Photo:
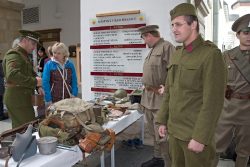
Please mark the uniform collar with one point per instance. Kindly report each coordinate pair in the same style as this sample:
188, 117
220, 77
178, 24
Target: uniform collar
159, 41
190, 47
20, 49
245, 52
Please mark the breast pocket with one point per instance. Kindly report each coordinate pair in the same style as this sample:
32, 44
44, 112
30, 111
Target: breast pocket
190, 76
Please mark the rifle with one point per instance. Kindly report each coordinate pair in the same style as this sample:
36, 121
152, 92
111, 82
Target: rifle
12, 132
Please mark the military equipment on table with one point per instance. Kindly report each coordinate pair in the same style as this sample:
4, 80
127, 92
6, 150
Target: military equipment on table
120, 93
135, 96
70, 120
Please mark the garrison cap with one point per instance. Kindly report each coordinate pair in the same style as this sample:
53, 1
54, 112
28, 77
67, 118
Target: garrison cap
149, 28
183, 9
30, 34
242, 24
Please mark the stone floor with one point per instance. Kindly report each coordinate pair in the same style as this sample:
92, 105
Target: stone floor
129, 133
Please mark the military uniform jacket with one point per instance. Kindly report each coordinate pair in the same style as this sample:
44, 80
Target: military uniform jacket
155, 72
236, 111
19, 74
194, 100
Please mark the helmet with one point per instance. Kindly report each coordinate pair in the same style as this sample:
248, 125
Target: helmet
120, 93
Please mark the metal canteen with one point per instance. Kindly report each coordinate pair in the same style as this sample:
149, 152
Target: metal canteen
47, 145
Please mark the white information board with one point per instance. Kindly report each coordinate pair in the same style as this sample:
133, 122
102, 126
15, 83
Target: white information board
117, 53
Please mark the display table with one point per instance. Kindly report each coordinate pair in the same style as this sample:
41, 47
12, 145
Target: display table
62, 158
119, 125
67, 158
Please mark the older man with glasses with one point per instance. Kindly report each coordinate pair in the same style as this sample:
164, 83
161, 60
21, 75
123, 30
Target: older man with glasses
21, 80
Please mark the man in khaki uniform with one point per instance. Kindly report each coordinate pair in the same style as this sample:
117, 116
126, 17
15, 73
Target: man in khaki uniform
235, 118
21, 79
154, 76
195, 93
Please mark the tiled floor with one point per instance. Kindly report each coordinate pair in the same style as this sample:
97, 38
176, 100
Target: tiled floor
6, 124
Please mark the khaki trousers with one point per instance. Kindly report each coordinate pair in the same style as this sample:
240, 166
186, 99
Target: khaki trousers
160, 144
225, 132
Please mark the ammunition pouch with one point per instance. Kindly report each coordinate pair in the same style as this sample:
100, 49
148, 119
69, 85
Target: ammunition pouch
98, 141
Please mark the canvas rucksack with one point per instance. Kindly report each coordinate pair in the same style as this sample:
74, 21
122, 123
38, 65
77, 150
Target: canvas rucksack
69, 120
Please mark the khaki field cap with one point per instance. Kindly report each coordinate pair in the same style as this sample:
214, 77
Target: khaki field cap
30, 34
182, 10
242, 24
149, 28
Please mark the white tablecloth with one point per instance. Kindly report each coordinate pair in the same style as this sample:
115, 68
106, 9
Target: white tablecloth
123, 122
62, 158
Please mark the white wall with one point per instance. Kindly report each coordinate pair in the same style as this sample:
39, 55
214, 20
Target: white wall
155, 11
64, 14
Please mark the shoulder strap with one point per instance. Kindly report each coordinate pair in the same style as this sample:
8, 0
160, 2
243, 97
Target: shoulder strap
70, 94
242, 66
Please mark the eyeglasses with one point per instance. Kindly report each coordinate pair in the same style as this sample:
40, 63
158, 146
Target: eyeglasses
178, 25
143, 36
33, 43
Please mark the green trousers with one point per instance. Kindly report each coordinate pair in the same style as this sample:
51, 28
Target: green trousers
182, 157
19, 105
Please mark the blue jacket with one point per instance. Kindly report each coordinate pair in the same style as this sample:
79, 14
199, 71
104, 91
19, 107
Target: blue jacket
48, 81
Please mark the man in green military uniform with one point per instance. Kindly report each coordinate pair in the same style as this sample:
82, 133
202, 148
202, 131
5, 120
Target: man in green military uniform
194, 97
234, 122
21, 79
154, 76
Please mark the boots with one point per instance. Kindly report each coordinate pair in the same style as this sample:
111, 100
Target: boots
154, 162
241, 161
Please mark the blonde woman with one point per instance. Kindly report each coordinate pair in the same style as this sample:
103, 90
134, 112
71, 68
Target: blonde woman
59, 76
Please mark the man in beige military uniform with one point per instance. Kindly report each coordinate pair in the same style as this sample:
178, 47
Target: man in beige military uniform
234, 122
21, 79
154, 76
194, 96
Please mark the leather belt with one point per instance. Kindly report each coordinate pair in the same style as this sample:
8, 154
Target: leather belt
240, 96
153, 89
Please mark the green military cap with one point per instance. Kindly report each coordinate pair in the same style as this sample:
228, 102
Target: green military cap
242, 24
183, 9
149, 28
30, 34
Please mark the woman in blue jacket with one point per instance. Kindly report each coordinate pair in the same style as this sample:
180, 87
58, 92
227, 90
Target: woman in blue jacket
59, 76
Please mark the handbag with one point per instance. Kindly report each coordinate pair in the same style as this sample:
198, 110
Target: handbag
38, 100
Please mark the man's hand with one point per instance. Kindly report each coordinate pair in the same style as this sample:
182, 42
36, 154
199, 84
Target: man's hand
162, 130
39, 81
161, 89
195, 146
